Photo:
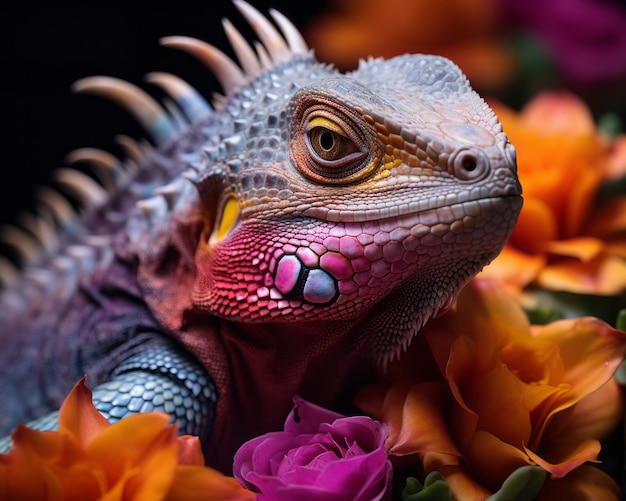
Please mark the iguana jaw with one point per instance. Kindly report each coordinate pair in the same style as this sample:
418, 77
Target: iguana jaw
303, 270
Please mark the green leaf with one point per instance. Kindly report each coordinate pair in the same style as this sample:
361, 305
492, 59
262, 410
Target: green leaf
522, 485
611, 124
433, 489
620, 323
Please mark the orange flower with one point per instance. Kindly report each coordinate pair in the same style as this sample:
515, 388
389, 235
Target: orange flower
138, 458
564, 238
466, 31
507, 395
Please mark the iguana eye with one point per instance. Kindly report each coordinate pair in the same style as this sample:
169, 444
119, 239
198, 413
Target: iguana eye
332, 146
328, 141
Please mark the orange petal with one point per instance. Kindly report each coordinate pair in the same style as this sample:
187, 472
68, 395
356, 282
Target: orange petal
558, 112
82, 480
194, 483
591, 351
412, 415
603, 276
497, 397
423, 428
609, 218
583, 484
45, 444
490, 460
593, 417
190, 451
23, 472
460, 483
488, 303
583, 248
580, 200
143, 444
617, 163
78, 416
514, 269
570, 457
535, 225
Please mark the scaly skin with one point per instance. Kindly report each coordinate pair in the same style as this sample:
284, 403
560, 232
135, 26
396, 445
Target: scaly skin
322, 220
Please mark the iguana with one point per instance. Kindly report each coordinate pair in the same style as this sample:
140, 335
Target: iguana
292, 238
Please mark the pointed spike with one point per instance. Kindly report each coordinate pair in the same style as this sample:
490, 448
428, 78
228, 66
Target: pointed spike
186, 97
143, 107
264, 58
40, 228
56, 203
230, 76
41, 278
84, 257
170, 192
218, 101
105, 165
296, 42
66, 267
271, 38
131, 148
245, 54
23, 242
94, 155
191, 176
154, 208
9, 274
81, 185
176, 115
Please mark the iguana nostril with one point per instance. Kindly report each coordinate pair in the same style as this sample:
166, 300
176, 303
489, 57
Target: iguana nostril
469, 165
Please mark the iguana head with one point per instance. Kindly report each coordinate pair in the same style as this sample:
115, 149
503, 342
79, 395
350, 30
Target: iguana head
363, 201
372, 195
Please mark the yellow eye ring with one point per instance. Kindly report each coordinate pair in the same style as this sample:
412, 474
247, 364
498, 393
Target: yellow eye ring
331, 143
328, 140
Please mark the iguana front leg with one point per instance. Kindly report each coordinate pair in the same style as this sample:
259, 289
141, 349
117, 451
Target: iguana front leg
163, 378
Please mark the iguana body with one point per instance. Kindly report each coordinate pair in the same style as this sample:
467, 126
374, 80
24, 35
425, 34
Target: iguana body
300, 235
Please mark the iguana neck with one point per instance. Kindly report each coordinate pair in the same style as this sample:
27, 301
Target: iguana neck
258, 368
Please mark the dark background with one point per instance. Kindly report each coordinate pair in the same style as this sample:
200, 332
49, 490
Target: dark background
46, 47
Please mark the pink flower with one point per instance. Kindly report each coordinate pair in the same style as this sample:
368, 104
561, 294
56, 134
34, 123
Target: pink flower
321, 455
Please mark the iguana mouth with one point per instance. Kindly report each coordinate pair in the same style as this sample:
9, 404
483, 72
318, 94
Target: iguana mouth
341, 213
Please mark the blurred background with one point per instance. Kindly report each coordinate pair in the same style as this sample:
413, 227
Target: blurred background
510, 49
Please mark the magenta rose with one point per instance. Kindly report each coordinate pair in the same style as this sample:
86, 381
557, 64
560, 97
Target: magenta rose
321, 455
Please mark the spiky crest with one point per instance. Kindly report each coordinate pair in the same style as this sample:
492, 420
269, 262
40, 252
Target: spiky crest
55, 217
